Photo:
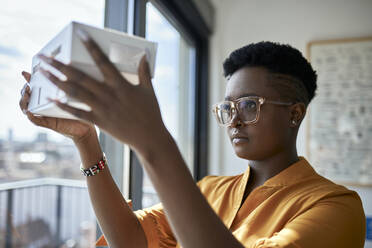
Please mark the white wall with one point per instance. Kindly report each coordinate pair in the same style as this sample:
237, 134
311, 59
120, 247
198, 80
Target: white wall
295, 22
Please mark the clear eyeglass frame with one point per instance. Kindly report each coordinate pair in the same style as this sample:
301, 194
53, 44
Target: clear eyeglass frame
234, 109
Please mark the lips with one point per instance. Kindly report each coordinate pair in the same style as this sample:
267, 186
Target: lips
238, 138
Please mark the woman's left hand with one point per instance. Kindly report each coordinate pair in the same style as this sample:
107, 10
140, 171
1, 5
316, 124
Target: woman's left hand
128, 112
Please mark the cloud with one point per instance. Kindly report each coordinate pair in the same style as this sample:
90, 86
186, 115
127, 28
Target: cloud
3, 66
10, 51
25, 27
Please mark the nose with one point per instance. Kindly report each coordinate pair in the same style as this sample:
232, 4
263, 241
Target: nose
236, 121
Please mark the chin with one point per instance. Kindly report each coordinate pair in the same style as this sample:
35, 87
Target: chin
246, 152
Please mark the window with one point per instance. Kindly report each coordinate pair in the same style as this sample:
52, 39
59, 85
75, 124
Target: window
43, 200
173, 81
180, 83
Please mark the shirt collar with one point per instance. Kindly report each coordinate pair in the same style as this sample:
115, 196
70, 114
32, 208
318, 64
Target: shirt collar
294, 173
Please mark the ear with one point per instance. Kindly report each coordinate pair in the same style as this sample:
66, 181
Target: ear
297, 114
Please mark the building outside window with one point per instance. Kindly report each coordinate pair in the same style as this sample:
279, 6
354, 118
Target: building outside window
43, 198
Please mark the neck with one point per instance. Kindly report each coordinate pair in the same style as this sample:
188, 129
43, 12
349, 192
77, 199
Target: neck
264, 169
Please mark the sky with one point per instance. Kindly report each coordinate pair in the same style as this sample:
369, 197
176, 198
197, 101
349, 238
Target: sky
26, 26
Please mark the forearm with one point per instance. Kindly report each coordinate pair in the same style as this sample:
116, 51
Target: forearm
118, 222
192, 219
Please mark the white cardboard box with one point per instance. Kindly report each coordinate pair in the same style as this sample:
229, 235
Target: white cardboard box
124, 51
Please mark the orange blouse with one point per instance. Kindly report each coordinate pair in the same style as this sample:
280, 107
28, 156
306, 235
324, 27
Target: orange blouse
295, 208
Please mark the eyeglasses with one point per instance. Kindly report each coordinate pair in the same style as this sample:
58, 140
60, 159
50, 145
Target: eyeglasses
248, 109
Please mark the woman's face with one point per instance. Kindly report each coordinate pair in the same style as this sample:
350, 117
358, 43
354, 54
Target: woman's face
272, 133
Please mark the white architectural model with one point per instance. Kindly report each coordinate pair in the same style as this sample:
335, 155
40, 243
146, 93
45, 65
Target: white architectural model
124, 50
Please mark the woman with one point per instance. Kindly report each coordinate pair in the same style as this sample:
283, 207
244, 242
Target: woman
279, 201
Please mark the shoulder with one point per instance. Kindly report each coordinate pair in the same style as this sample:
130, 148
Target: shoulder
318, 191
303, 181
320, 187
340, 195
335, 209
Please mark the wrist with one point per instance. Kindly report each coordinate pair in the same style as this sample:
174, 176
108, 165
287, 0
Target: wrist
89, 149
90, 135
159, 145
96, 168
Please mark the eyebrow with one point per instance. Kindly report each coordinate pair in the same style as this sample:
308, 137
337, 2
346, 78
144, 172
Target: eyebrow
229, 98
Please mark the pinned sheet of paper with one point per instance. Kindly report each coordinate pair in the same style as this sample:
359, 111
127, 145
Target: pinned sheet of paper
124, 51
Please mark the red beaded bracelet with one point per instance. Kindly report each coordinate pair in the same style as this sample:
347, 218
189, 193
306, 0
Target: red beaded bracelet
95, 169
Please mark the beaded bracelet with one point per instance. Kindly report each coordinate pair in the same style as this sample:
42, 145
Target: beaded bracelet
95, 169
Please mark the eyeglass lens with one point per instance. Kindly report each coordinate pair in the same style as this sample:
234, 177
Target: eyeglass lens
247, 109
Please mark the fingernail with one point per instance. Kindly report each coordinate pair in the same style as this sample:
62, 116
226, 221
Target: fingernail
24, 111
82, 34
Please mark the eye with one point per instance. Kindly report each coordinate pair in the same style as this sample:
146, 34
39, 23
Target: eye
225, 107
224, 113
248, 105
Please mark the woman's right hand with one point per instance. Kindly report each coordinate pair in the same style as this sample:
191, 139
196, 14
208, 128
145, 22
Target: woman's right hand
74, 129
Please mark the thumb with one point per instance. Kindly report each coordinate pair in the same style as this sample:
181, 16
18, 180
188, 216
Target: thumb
144, 74
26, 75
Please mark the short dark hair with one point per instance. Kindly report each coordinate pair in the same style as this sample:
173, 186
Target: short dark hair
297, 77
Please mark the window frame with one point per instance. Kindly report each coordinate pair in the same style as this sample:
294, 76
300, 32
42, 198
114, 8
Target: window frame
130, 16
116, 17
185, 16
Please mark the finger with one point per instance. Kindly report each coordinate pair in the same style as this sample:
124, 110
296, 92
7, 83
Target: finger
25, 88
108, 69
26, 75
144, 74
81, 114
23, 103
37, 120
72, 89
75, 75
69, 71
